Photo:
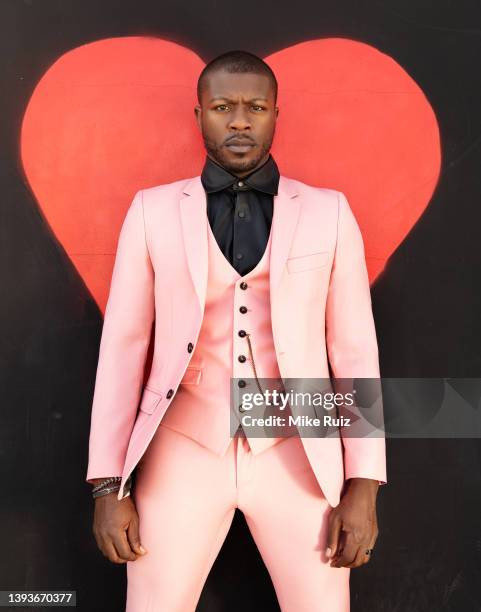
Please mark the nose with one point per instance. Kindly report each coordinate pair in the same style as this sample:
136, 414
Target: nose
239, 120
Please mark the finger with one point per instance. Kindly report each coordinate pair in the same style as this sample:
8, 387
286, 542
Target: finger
122, 546
134, 537
369, 547
361, 557
340, 548
333, 532
109, 551
349, 550
103, 544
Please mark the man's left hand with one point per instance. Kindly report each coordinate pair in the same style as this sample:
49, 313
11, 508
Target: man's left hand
353, 528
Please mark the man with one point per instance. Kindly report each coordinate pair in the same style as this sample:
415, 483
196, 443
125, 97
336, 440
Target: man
245, 273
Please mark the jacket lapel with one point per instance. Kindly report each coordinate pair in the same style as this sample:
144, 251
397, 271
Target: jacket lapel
193, 213
284, 222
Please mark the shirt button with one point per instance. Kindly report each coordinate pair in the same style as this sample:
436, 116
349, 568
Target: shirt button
241, 383
241, 214
242, 333
243, 285
239, 256
241, 358
240, 183
243, 309
170, 393
190, 347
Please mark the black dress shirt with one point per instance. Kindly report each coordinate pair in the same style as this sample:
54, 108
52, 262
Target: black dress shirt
240, 211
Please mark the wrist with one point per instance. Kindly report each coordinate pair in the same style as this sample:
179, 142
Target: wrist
364, 484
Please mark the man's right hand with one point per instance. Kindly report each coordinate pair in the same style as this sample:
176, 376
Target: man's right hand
116, 528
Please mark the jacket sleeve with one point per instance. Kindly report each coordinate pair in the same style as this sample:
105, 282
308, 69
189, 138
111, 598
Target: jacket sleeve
351, 339
126, 331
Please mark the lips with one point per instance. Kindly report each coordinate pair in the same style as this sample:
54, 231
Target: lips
240, 148
236, 141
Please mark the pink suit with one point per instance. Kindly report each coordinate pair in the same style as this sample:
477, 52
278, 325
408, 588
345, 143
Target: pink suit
201, 408
308, 299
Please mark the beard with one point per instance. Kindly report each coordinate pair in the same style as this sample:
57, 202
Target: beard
233, 165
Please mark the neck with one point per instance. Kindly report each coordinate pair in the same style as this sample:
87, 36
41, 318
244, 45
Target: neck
241, 174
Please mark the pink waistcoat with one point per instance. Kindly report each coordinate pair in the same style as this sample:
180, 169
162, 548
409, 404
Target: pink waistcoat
201, 408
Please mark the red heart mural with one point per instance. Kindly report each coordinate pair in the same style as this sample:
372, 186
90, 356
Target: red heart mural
114, 116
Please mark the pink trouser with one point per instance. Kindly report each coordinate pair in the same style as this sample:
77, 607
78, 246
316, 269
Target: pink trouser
186, 497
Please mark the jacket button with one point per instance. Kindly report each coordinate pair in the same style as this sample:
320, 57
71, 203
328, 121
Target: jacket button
243, 309
242, 333
170, 393
243, 285
190, 347
241, 358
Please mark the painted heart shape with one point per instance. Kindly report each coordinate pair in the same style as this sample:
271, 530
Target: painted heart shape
116, 115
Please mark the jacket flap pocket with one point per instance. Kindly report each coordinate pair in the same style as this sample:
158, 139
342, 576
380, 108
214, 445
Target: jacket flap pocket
150, 400
307, 262
192, 376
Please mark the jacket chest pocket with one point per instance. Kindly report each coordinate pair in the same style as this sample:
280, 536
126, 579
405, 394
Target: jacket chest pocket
311, 261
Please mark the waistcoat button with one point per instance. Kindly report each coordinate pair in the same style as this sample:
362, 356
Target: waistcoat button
170, 393
243, 309
242, 358
243, 285
241, 383
242, 333
190, 347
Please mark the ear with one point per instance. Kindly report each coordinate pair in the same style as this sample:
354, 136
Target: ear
198, 114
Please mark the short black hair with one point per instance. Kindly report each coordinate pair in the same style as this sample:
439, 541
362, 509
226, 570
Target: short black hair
237, 62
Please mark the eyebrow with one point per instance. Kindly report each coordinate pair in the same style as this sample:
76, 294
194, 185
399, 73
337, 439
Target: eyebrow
229, 100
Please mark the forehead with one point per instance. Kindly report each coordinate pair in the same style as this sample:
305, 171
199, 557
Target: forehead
222, 84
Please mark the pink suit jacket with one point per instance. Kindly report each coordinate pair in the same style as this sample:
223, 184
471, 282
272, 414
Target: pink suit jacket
320, 311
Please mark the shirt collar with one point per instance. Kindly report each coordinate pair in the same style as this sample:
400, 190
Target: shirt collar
215, 177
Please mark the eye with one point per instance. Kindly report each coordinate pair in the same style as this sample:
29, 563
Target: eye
258, 107
220, 105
